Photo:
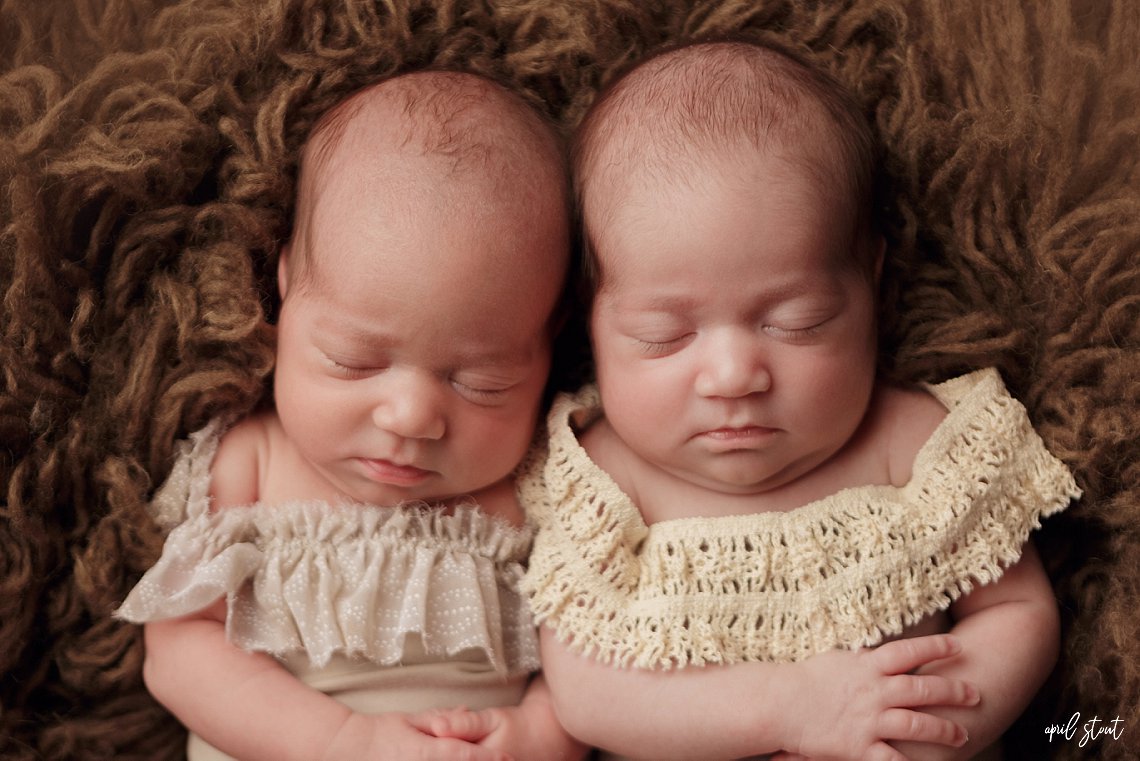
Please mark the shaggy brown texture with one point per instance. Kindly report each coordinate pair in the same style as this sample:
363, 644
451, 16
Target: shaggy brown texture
147, 154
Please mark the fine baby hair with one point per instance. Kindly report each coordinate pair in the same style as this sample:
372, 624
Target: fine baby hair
469, 129
669, 113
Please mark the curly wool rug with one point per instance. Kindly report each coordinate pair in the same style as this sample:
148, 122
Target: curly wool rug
147, 153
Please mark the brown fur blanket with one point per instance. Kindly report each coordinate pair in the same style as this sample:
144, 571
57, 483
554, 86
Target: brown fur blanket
147, 152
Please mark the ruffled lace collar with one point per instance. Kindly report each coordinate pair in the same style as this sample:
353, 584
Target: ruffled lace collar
844, 571
326, 579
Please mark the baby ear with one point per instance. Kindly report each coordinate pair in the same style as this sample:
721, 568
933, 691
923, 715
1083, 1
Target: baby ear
879, 248
283, 271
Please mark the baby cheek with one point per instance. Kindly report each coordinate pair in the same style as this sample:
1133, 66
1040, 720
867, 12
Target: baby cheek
639, 401
504, 435
839, 393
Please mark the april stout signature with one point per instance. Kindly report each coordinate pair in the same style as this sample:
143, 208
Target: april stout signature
1092, 729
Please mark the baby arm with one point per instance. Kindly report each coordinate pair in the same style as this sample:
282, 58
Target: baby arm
1010, 635
840, 704
250, 707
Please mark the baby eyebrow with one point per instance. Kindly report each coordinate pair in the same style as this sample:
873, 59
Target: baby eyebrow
663, 304
760, 299
502, 361
347, 331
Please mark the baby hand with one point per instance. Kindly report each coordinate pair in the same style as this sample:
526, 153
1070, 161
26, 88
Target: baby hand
523, 735
459, 723
401, 735
855, 701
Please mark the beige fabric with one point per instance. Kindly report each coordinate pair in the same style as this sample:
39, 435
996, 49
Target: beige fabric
419, 683
352, 580
845, 571
382, 608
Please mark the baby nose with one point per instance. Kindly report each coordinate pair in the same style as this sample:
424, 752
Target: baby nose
735, 365
411, 406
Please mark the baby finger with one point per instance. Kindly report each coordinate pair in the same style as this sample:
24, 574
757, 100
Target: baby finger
901, 656
457, 750
907, 691
901, 724
464, 725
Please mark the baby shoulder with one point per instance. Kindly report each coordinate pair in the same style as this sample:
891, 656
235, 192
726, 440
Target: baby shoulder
235, 474
909, 416
607, 450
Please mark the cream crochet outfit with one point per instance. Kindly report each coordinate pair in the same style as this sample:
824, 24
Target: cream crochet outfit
385, 608
844, 571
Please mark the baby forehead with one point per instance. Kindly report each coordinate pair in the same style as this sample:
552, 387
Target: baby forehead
650, 153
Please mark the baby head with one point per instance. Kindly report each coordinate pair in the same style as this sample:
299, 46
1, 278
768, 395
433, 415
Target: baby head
420, 286
708, 107
725, 190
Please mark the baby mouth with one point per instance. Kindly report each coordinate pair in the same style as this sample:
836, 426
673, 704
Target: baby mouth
738, 436
738, 432
393, 473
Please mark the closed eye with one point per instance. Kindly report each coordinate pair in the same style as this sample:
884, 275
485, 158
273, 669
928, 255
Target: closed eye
795, 334
350, 370
486, 395
662, 348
